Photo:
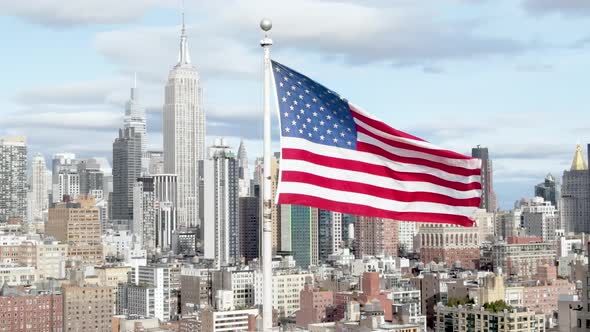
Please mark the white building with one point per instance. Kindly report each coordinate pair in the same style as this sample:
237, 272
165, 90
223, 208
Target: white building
39, 188
135, 118
407, 302
407, 232
540, 218
13, 178
184, 133
51, 259
231, 320
14, 275
485, 223
244, 171
117, 243
286, 288
221, 227
150, 296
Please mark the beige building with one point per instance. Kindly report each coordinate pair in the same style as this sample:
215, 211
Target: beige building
78, 225
476, 318
87, 308
51, 257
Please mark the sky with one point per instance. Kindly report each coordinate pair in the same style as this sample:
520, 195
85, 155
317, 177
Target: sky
511, 75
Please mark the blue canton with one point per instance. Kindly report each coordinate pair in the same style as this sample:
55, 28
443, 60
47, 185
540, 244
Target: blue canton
311, 111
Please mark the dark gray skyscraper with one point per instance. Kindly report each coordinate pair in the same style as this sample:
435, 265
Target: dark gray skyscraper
549, 190
126, 171
250, 225
488, 197
13, 178
575, 196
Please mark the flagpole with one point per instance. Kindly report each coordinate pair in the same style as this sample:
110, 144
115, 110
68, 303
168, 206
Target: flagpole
266, 43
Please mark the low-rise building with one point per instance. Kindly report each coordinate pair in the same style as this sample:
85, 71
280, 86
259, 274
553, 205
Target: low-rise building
40, 311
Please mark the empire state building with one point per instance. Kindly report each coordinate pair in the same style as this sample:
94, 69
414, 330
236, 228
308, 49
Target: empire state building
184, 133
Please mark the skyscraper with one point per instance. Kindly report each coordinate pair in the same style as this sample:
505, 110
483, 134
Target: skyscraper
243, 170
39, 187
221, 228
126, 171
13, 178
184, 133
488, 197
330, 225
376, 236
575, 195
64, 177
302, 236
91, 177
135, 118
549, 189
250, 225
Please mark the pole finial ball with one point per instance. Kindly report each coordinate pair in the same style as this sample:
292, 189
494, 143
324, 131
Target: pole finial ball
266, 24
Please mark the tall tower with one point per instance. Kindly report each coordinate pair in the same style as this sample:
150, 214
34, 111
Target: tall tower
126, 170
575, 195
184, 133
488, 197
221, 228
13, 178
245, 175
135, 117
39, 187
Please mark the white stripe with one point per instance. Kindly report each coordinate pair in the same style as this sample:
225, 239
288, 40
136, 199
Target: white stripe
464, 163
373, 201
376, 180
336, 152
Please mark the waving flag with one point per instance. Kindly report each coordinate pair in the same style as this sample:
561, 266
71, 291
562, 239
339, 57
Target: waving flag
337, 157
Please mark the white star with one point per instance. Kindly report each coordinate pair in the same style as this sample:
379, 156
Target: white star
300, 97
293, 87
306, 91
302, 111
315, 128
286, 114
348, 129
281, 84
284, 100
287, 129
341, 121
308, 120
294, 122
277, 69
342, 134
314, 100
298, 117
286, 79
291, 107
329, 117
295, 102
329, 131
299, 82
301, 131
304, 126
291, 74
315, 114
349, 143
321, 123
322, 137
335, 125
335, 140
321, 108
309, 134
288, 93
307, 105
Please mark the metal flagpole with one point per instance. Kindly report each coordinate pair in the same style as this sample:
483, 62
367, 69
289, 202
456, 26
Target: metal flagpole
266, 43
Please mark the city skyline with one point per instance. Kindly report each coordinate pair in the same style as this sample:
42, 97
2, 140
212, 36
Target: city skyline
430, 82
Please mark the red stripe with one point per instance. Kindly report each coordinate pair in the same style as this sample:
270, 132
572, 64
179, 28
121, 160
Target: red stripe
381, 125
370, 148
359, 166
363, 210
372, 190
439, 153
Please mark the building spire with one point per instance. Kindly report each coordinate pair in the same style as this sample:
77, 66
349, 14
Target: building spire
578, 164
184, 57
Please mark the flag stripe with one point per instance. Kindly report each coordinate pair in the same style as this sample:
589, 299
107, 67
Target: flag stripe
366, 147
364, 159
377, 191
363, 210
294, 159
370, 200
425, 153
381, 125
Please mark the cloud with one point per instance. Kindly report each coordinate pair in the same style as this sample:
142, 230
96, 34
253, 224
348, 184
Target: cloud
75, 93
534, 68
570, 8
57, 13
63, 120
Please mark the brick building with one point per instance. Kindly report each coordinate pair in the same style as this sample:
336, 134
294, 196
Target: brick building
87, 308
450, 244
316, 306
22, 311
376, 236
520, 256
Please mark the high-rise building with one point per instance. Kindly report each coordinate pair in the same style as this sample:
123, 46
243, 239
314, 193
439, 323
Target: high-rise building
244, 171
65, 180
488, 197
155, 162
91, 177
540, 218
36, 310
144, 214
39, 187
376, 236
221, 227
184, 133
87, 308
330, 233
126, 171
575, 195
78, 225
550, 190
250, 225
300, 233
13, 178
407, 232
148, 295
135, 117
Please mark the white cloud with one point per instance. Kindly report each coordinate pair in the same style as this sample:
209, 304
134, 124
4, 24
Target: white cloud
564, 7
79, 12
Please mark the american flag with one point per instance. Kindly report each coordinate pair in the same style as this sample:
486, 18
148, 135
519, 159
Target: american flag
337, 157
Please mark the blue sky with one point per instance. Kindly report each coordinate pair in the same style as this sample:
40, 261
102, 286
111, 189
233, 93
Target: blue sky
509, 74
